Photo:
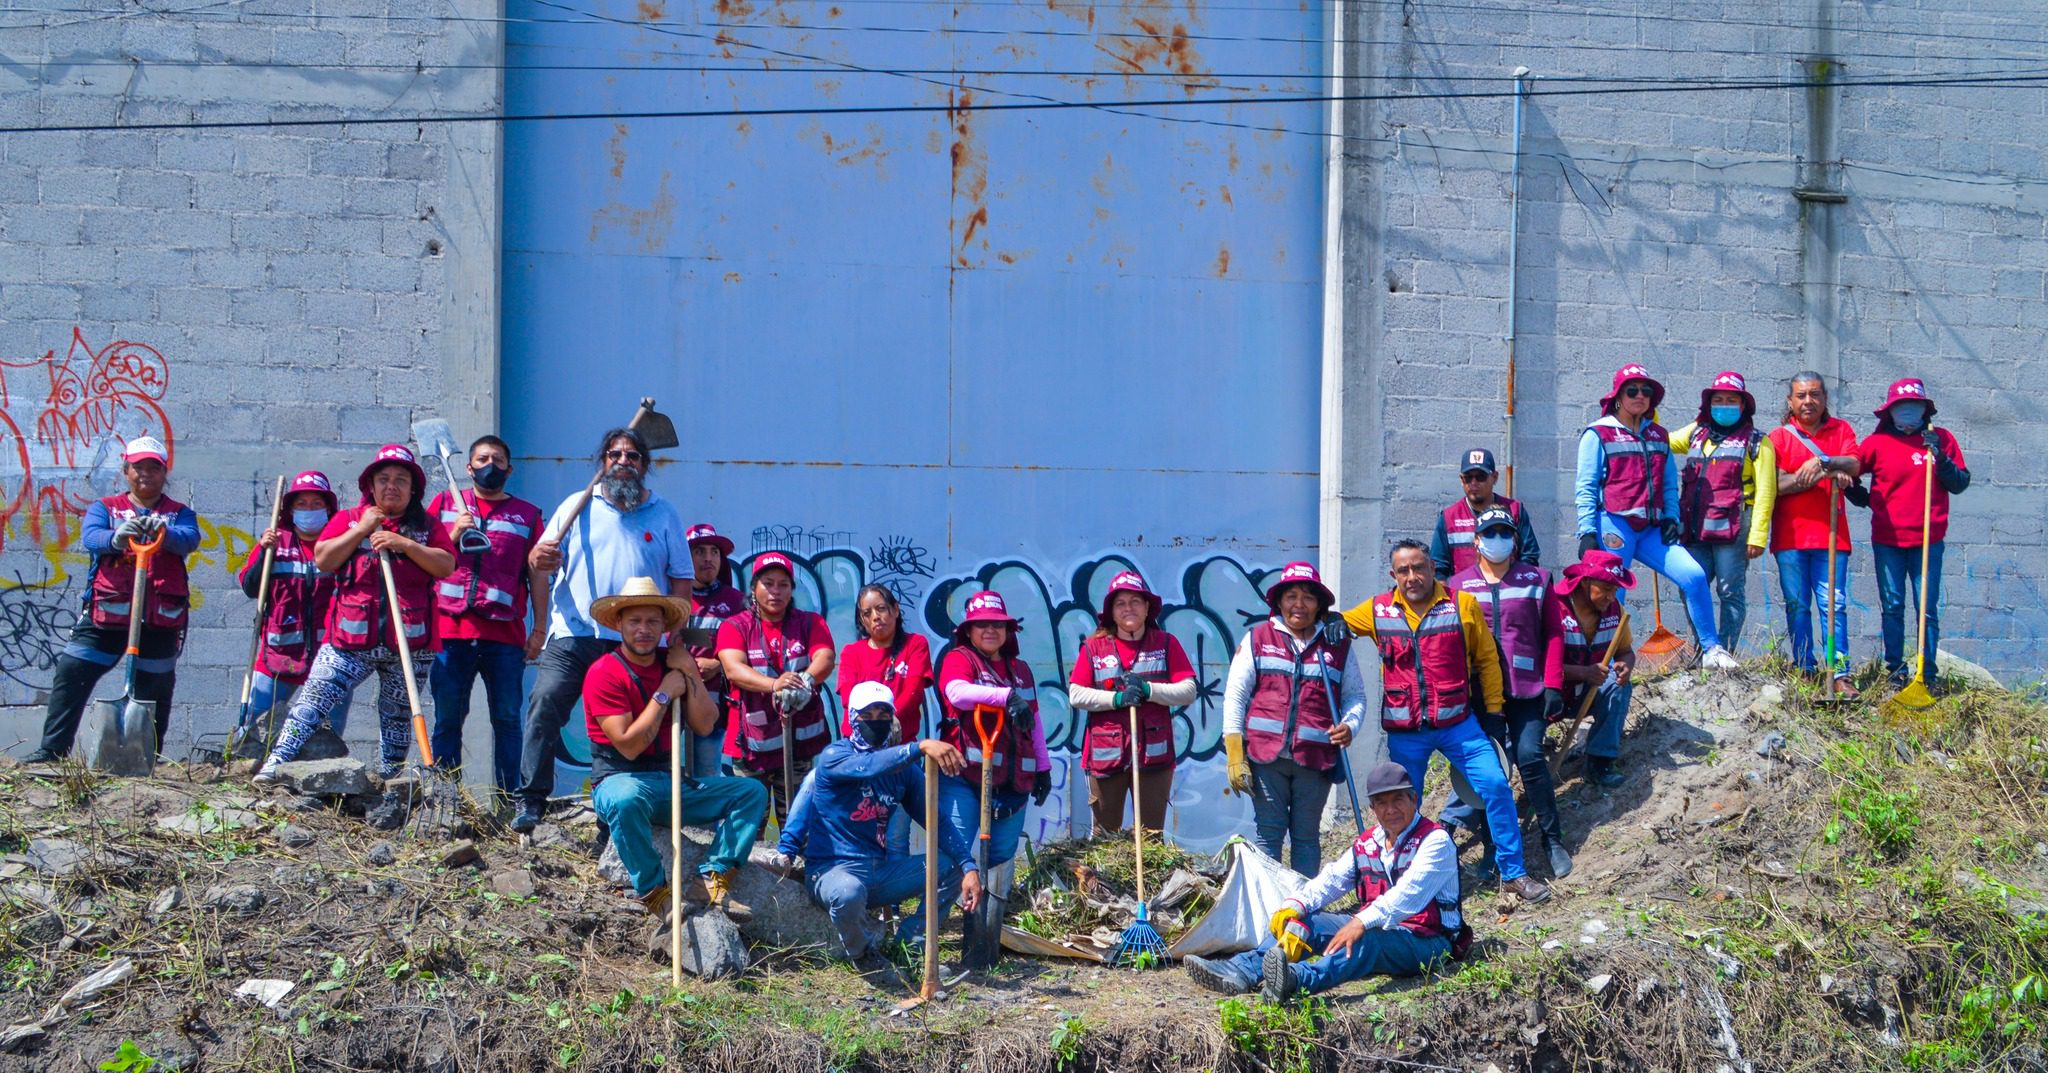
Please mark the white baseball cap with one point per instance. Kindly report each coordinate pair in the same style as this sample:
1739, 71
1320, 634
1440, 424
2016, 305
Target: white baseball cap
142, 447
868, 694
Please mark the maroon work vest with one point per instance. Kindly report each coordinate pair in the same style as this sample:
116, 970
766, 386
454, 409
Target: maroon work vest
1295, 698
1105, 745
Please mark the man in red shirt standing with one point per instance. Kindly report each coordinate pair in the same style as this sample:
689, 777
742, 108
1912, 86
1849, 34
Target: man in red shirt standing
1816, 461
480, 610
628, 695
1897, 458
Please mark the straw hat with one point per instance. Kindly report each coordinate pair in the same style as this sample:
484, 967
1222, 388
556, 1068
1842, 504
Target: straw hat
639, 592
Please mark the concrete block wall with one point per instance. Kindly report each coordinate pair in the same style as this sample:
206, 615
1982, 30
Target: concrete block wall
268, 298
1662, 227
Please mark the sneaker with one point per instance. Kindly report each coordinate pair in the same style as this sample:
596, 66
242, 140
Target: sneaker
1560, 860
781, 865
264, 779
1718, 658
1531, 890
41, 756
1278, 982
527, 818
1217, 975
1600, 772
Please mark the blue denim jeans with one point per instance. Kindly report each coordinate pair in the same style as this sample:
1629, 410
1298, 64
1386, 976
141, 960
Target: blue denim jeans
1469, 750
629, 802
1610, 716
960, 807
1803, 580
1520, 731
1727, 570
847, 888
1898, 574
1287, 805
454, 674
1380, 951
267, 694
1647, 547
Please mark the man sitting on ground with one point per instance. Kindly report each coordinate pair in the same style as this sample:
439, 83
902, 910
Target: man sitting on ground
627, 698
1411, 914
857, 783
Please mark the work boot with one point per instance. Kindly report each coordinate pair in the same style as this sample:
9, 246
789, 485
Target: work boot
41, 756
877, 969
1844, 690
527, 818
1600, 772
714, 889
1278, 983
1217, 975
1531, 890
1718, 658
656, 901
1560, 859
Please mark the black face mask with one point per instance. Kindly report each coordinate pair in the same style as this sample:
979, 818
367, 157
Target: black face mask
876, 733
490, 478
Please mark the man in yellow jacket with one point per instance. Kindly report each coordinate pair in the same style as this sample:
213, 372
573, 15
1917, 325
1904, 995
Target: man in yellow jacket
1434, 644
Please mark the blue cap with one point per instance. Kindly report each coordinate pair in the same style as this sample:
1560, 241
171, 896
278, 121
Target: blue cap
1476, 458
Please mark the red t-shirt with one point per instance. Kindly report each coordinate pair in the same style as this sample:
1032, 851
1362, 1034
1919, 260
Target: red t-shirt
609, 689
1897, 468
1178, 669
1800, 522
510, 631
907, 674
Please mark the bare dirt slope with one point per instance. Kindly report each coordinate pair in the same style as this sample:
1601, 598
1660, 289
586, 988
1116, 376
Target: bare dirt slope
1860, 897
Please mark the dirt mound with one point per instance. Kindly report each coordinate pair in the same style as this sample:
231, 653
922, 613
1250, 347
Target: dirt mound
1777, 886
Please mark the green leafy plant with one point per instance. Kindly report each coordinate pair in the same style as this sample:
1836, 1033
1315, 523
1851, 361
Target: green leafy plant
1870, 798
1066, 1041
1283, 1039
129, 1058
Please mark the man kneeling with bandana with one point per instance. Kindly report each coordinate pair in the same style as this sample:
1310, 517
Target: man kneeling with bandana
859, 780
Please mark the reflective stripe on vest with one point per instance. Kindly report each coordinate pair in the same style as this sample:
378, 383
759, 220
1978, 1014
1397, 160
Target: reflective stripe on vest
485, 592
360, 627
1634, 487
279, 640
1376, 876
1434, 655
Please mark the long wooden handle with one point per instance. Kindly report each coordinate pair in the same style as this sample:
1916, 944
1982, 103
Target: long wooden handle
1137, 805
1594, 690
1926, 531
582, 500
262, 599
1832, 510
931, 879
675, 843
412, 690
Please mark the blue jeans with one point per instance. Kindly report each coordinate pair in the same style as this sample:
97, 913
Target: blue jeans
960, 808
630, 801
1898, 571
1727, 570
846, 888
1610, 716
1380, 951
454, 672
707, 751
1520, 731
1469, 750
1803, 580
267, 694
1647, 547
1287, 805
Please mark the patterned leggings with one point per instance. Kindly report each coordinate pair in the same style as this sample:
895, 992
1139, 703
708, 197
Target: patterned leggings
335, 674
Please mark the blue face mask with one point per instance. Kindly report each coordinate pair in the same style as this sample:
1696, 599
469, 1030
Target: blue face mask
1496, 548
1725, 416
310, 521
1909, 416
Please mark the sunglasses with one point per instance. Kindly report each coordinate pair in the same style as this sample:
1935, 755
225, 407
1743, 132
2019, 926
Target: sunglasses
1475, 476
1634, 392
624, 456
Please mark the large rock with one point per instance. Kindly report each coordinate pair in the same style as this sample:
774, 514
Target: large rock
323, 744
324, 778
712, 946
57, 857
784, 914
1975, 676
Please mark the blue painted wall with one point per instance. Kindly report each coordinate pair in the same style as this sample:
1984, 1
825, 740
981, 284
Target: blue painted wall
946, 348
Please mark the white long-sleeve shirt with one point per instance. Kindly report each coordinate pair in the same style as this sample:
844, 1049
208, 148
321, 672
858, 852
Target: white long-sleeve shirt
1237, 688
1431, 875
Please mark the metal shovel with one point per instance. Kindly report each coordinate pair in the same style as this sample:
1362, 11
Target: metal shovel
126, 743
437, 439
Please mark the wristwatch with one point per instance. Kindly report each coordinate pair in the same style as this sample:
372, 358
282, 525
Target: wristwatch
661, 698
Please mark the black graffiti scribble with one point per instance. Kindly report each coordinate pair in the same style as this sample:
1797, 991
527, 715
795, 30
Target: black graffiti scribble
33, 624
896, 563
799, 540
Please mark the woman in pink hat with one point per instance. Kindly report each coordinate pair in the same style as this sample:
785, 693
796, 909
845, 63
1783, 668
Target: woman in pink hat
1720, 500
141, 514
362, 626
295, 620
1627, 499
1129, 662
713, 599
1896, 457
776, 657
1584, 612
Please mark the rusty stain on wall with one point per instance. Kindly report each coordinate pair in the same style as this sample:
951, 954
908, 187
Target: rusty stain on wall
1155, 43
650, 225
653, 10
970, 176
1222, 261
733, 9
615, 148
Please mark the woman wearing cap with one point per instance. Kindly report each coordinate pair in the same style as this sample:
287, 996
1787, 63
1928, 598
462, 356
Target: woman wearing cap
1627, 498
1293, 700
299, 595
713, 599
1585, 615
1903, 507
775, 656
362, 627
1129, 662
141, 514
1816, 461
1719, 498
629, 697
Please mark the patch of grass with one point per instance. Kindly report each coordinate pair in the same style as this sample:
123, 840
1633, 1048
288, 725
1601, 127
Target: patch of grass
1284, 1039
1872, 799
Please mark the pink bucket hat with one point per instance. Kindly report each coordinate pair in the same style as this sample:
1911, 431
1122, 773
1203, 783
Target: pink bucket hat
1597, 565
1909, 389
1299, 573
1128, 581
1632, 371
1728, 381
702, 533
316, 482
398, 454
987, 606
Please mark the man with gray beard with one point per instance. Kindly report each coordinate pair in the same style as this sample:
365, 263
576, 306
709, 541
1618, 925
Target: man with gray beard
625, 532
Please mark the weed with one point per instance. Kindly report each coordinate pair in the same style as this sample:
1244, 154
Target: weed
1888, 817
128, 1058
1066, 1042
1283, 1038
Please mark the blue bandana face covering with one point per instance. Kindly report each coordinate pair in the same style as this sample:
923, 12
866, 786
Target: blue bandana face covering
1909, 416
1725, 416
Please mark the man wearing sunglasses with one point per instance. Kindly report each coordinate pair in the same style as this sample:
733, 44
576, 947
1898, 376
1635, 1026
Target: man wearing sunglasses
625, 532
1451, 547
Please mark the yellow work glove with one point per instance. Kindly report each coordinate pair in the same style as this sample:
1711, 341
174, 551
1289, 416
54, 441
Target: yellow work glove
1240, 768
1291, 932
